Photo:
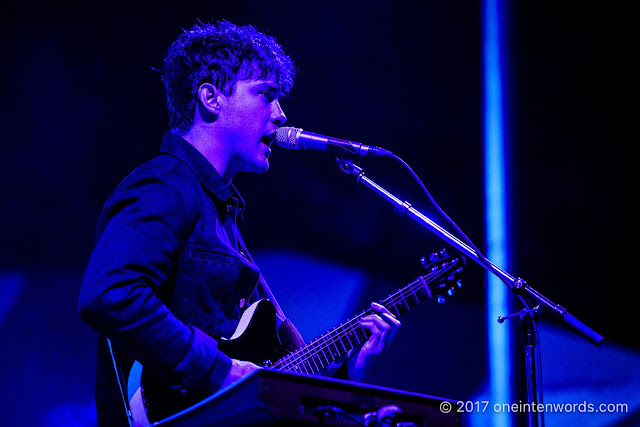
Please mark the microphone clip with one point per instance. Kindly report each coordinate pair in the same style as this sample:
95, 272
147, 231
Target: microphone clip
347, 166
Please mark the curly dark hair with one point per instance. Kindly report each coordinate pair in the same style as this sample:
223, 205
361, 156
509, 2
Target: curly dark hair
221, 54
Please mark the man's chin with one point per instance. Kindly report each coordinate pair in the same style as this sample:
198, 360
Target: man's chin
261, 167
264, 166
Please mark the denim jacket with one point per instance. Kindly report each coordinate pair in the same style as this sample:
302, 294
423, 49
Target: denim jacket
168, 273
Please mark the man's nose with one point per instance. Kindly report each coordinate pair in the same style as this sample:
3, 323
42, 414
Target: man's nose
277, 116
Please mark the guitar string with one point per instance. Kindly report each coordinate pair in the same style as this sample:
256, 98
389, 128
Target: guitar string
324, 342
349, 329
319, 345
293, 359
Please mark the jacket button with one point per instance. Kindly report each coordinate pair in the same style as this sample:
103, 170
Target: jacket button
242, 302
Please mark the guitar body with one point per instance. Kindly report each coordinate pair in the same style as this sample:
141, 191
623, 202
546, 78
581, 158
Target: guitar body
255, 339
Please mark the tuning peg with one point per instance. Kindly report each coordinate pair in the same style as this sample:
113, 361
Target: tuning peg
451, 291
459, 283
440, 299
434, 256
424, 262
443, 253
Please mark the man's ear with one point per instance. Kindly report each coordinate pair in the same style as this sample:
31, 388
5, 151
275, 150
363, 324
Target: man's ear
210, 99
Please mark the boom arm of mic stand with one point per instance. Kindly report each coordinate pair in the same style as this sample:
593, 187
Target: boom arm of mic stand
516, 284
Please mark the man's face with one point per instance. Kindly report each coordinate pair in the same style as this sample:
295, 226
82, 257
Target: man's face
250, 117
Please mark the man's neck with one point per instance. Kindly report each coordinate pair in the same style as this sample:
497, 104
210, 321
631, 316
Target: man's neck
208, 145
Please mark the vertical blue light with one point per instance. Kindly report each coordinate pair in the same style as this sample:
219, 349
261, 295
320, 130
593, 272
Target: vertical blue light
499, 345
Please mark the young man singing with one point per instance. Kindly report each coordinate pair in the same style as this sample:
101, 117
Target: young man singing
170, 274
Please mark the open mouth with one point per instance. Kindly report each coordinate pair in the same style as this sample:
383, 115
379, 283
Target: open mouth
269, 139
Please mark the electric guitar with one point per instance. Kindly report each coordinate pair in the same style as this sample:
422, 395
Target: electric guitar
256, 340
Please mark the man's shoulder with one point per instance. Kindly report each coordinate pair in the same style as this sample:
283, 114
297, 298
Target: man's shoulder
165, 178
163, 183
164, 167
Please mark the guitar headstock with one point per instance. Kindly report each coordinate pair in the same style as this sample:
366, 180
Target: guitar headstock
443, 273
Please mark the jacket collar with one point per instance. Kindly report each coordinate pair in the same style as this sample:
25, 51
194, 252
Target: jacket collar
179, 147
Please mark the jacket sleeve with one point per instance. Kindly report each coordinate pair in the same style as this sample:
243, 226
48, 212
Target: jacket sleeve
132, 265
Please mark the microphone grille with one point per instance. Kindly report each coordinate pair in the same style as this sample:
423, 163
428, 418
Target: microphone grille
287, 137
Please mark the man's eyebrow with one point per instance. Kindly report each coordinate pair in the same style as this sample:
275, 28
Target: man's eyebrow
266, 85
270, 87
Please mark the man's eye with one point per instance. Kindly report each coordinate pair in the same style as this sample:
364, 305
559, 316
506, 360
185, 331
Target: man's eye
269, 95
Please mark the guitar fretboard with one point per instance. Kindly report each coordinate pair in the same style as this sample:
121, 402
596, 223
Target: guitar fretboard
321, 352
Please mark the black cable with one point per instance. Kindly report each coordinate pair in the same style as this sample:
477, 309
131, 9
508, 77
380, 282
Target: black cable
488, 265
457, 229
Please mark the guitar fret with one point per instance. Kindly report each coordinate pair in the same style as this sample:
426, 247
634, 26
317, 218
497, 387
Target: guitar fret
412, 302
309, 361
326, 350
353, 334
337, 352
341, 342
414, 295
391, 305
398, 300
405, 302
313, 359
426, 286
320, 358
347, 335
348, 345
395, 307
325, 356
305, 361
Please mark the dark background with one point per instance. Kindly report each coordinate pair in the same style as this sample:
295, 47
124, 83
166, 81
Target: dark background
82, 106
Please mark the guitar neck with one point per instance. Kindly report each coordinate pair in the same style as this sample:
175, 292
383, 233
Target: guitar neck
321, 352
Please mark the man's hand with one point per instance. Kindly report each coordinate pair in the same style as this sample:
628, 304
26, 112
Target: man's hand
239, 369
383, 327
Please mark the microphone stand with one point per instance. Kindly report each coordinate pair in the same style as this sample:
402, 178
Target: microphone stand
516, 284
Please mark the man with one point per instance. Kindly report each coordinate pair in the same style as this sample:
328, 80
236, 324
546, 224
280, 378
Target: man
170, 272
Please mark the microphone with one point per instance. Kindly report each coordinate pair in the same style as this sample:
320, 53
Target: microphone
298, 139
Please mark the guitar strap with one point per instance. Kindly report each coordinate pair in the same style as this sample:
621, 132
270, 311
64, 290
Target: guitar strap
289, 335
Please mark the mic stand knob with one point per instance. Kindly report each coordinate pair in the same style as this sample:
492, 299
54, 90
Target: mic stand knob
532, 312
